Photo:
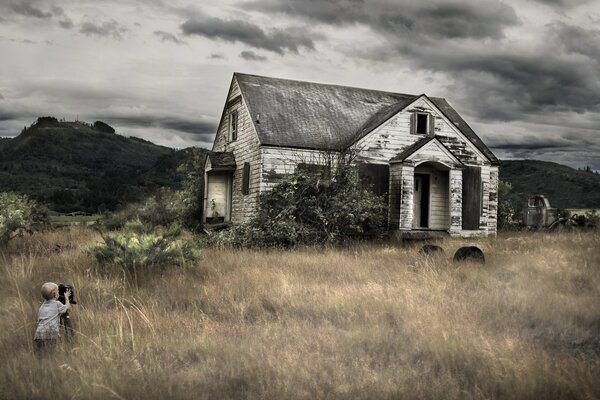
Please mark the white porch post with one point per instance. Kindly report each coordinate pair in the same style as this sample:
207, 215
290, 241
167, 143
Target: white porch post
455, 200
406, 196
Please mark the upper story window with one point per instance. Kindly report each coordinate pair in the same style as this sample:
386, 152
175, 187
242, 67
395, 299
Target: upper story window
233, 125
422, 124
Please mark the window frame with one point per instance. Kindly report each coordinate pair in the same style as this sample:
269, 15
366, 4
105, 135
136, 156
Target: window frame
427, 116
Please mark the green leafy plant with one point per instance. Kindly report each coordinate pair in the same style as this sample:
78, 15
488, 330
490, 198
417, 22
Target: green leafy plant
140, 246
19, 215
307, 208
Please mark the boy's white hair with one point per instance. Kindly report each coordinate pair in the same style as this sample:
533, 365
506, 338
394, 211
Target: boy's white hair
48, 289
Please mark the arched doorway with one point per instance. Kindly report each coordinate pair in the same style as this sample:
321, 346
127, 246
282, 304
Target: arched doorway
431, 196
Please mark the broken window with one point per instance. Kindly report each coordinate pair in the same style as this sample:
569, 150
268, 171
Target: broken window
422, 123
233, 125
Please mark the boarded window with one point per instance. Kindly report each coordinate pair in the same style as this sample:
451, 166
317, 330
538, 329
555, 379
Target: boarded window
375, 176
246, 179
471, 198
233, 125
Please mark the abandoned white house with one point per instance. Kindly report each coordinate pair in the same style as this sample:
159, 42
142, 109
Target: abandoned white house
437, 173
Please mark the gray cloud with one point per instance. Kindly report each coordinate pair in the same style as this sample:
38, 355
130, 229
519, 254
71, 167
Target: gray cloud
26, 8
103, 29
252, 56
197, 127
168, 37
564, 4
435, 19
575, 39
278, 40
66, 23
216, 56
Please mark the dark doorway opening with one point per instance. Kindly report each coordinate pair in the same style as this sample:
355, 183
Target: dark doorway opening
422, 200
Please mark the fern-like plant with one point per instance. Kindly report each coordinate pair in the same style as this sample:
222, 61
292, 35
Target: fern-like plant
139, 246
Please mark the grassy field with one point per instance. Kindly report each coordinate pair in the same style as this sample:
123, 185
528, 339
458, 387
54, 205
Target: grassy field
369, 321
65, 220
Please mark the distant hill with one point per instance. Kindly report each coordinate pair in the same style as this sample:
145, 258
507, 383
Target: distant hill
565, 187
78, 166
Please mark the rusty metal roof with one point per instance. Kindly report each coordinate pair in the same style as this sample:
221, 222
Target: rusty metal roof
298, 114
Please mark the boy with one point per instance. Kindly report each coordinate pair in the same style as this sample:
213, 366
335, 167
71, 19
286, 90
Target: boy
48, 329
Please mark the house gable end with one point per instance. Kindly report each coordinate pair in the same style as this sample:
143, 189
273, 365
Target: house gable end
235, 101
396, 134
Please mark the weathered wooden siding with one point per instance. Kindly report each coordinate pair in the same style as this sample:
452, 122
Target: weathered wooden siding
431, 152
406, 196
492, 220
394, 136
394, 196
245, 149
455, 200
277, 162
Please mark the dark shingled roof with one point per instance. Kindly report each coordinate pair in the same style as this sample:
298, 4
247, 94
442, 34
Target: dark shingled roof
221, 160
289, 113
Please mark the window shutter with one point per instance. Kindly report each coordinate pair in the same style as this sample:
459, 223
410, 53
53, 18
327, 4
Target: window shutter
246, 179
431, 130
413, 123
471, 198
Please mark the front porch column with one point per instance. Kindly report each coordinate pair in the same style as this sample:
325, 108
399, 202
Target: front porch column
406, 196
455, 200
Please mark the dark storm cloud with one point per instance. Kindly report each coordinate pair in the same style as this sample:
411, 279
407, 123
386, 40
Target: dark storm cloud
103, 29
200, 128
168, 37
27, 9
252, 56
504, 83
564, 4
575, 39
436, 19
277, 40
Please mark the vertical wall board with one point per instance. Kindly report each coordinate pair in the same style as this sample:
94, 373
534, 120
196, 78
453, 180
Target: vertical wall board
395, 189
406, 197
493, 201
456, 200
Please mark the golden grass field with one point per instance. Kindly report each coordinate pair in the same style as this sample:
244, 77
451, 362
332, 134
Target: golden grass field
368, 321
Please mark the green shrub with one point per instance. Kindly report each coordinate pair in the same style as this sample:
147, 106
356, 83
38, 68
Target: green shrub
19, 215
307, 208
161, 209
139, 246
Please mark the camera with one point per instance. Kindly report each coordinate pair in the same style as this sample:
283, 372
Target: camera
65, 319
62, 288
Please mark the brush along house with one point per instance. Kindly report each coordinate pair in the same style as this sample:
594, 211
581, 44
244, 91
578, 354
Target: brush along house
436, 173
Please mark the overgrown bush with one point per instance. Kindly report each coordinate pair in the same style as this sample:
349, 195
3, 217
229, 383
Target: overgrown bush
307, 208
19, 215
508, 217
139, 246
161, 209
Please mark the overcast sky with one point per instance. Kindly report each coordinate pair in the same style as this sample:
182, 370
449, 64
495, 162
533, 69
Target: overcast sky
524, 74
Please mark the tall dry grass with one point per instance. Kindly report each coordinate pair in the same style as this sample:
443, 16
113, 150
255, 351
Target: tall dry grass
370, 321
